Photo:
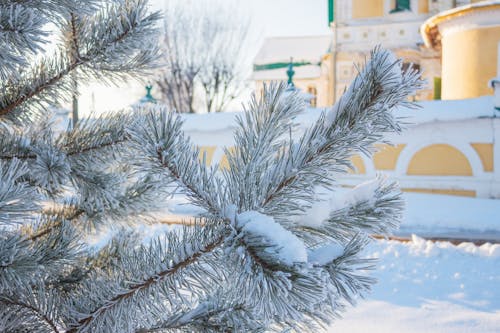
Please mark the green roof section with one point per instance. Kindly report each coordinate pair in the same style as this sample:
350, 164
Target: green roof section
278, 65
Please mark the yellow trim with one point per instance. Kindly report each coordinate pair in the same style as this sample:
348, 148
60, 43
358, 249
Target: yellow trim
462, 193
358, 164
439, 160
485, 152
224, 163
387, 156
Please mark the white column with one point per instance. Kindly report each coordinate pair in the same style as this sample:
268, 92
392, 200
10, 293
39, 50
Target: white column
495, 83
495, 185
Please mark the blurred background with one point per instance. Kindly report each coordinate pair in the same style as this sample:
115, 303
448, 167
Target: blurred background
441, 271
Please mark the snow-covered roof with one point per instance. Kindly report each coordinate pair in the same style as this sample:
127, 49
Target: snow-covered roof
301, 72
303, 48
429, 111
449, 110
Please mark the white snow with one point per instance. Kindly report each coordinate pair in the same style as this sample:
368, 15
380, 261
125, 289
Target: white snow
429, 111
448, 110
319, 212
287, 248
339, 199
363, 192
451, 216
429, 287
425, 214
325, 254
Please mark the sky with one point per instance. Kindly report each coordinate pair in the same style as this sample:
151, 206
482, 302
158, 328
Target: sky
269, 18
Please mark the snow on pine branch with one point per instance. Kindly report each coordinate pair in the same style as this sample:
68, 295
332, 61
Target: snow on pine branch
326, 253
372, 207
272, 243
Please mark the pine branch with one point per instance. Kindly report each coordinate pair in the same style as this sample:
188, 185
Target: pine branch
177, 269
105, 42
165, 147
20, 34
55, 219
372, 208
356, 122
33, 309
213, 315
18, 201
106, 132
348, 272
24, 261
259, 137
23, 32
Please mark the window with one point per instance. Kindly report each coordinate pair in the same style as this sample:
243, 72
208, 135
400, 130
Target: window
400, 6
314, 92
408, 65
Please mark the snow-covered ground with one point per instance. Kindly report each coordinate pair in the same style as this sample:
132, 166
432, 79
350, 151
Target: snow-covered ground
429, 287
451, 217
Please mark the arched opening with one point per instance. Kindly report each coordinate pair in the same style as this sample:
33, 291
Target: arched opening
439, 160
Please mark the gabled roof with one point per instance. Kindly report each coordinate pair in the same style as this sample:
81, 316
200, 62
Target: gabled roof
303, 48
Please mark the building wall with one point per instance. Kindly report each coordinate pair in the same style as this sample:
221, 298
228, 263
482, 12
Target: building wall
460, 157
456, 158
361, 25
365, 9
321, 84
467, 70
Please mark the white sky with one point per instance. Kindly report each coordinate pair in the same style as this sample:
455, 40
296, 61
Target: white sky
269, 18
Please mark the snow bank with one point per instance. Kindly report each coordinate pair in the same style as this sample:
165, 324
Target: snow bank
283, 245
444, 215
429, 287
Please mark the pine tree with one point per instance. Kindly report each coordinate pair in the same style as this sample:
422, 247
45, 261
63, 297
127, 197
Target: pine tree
269, 252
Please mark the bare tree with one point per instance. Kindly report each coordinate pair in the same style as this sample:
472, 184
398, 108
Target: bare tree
205, 55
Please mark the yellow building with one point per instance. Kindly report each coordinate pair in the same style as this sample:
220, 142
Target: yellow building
451, 146
467, 37
360, 25
311, 59
325, 65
